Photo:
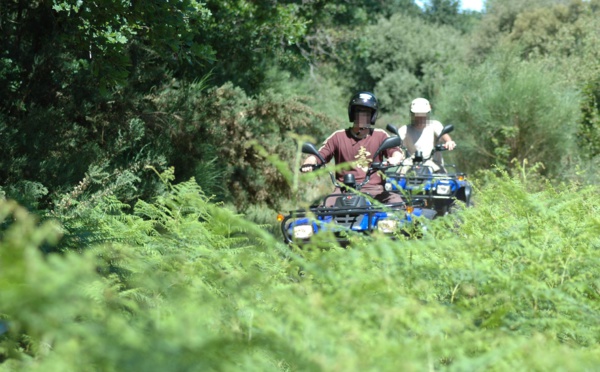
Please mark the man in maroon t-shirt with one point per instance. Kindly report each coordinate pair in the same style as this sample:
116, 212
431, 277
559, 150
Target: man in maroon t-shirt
357, 145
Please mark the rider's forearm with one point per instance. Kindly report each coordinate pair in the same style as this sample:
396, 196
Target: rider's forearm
446, 138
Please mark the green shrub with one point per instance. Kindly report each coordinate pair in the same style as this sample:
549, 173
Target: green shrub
508, 110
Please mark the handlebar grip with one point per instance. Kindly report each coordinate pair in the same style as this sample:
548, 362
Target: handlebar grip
381, 166
312, 166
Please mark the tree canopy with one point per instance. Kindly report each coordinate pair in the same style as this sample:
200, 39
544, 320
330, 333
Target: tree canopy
95, 93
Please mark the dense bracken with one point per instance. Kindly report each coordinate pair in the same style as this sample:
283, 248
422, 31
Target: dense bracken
183, 283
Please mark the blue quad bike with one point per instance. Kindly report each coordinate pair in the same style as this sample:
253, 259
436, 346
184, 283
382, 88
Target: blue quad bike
439, 189
352, 211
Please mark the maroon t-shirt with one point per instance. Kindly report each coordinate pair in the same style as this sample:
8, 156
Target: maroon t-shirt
344, 148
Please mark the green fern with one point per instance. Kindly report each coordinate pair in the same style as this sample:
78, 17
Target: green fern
179, 284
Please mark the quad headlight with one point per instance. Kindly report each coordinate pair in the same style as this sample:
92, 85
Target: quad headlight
387, 226
444, 189
303, 231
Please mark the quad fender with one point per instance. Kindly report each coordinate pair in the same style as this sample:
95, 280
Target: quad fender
388, 143
427, 213
464, 194
309, 148
447, 129
392, 129
468, 192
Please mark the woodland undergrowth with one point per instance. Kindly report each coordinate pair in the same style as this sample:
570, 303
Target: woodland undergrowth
182, 283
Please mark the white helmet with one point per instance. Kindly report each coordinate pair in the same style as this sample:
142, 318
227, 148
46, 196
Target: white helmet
420, 106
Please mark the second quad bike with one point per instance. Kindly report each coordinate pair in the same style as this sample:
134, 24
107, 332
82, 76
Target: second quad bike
439, 187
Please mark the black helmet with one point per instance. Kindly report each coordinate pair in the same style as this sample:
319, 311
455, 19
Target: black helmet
366, 99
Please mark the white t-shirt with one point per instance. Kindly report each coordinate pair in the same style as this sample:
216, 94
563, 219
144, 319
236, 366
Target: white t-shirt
421, 139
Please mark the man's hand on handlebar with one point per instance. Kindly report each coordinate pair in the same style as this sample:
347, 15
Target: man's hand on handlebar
396, 158
450, 145
309, 164
308, 167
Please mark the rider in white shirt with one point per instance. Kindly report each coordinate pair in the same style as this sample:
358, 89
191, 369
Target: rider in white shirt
422, 135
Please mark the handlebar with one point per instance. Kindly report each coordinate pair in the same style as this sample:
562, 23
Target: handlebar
419, 158
312, 166
374, 167
384, 165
